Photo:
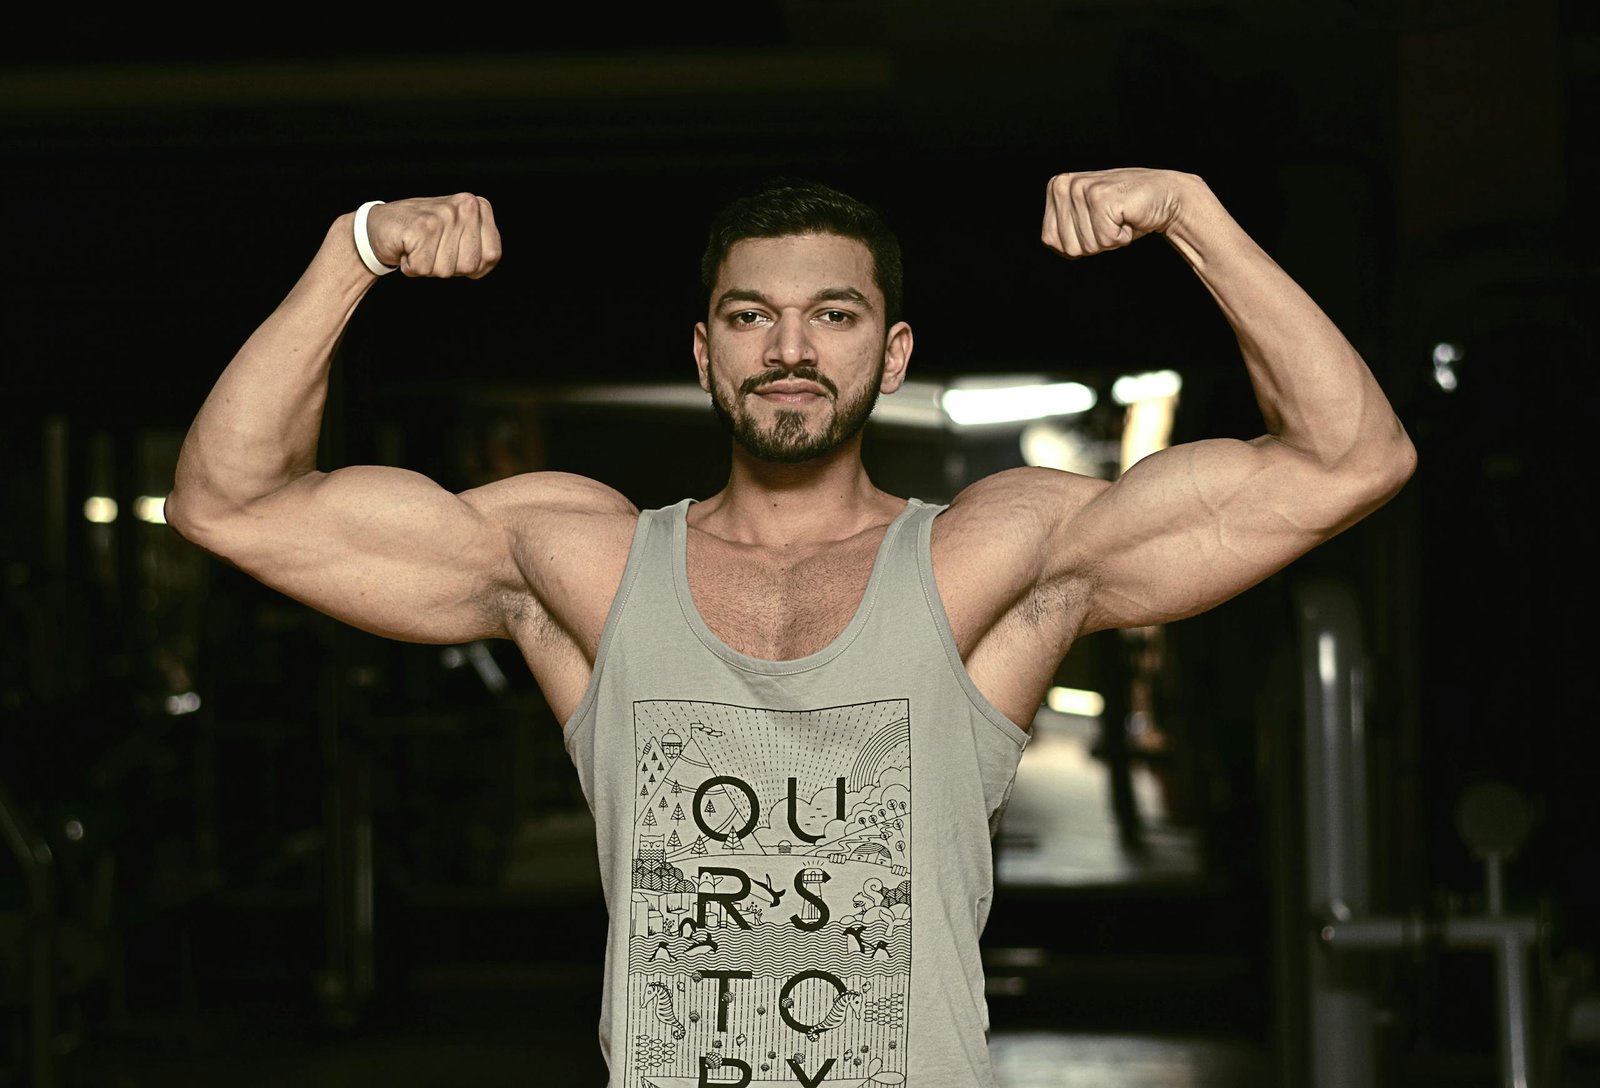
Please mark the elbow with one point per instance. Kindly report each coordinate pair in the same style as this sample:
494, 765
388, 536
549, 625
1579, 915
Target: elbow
191, 498
1406, 466
1386, 466
185, 514
198, 518
1399, 460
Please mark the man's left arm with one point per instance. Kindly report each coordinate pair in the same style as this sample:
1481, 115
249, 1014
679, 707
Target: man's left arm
1193, 525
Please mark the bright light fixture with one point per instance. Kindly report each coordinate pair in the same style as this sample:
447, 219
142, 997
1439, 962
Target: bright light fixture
1445, 356
151, 508
1046, 446
100, 509
1089, 704
183, 703
1132, 388
1327, 660
972, 407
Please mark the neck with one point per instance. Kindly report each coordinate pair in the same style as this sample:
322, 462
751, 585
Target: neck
825, 499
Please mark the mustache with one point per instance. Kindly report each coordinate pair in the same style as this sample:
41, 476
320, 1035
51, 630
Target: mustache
803, 373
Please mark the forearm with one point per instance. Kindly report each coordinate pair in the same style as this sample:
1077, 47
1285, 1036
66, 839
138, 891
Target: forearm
257, 430
1315, 392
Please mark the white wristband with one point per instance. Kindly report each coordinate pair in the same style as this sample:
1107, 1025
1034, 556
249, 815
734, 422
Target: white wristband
364, 246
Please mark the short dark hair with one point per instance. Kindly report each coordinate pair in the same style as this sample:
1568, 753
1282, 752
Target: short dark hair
788, 206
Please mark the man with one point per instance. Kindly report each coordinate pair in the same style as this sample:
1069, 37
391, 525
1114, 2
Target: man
767, 691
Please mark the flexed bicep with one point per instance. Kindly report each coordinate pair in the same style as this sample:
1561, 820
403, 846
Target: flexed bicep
1191, 526
1194, 525
393, 553
383, 549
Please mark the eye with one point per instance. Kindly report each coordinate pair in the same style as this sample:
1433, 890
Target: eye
836, 317
745, 317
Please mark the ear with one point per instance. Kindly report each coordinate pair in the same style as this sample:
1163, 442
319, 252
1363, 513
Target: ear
896, 357
702, 354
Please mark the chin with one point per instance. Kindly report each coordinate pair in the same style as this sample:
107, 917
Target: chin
787, 451
790, 456
790, 438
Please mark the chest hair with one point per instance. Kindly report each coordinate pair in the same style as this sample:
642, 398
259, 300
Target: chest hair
778, 604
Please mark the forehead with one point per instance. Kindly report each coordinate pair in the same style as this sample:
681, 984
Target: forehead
799, 262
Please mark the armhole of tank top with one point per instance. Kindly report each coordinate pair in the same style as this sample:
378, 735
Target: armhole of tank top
630, 570
941, 622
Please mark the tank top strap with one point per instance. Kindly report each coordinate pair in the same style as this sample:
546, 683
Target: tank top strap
905, 570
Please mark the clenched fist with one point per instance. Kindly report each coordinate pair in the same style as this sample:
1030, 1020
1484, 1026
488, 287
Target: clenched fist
1088, 213
436, 236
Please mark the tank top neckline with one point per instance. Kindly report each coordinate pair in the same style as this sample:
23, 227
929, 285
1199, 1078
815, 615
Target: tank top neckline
816, 659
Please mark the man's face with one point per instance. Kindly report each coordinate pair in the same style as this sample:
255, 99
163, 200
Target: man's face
794, 351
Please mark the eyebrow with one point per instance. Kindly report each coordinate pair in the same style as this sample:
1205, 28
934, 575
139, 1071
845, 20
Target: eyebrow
827, 294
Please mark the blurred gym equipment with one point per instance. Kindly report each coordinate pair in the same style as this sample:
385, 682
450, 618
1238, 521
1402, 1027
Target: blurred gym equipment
1336, 1038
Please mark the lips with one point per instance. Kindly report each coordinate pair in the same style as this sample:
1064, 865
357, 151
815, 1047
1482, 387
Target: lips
798, 384
791, 388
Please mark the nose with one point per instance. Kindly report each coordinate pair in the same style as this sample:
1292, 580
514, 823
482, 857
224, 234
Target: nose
790, 342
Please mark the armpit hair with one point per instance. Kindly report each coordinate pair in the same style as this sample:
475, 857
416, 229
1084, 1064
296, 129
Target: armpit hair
1051, 601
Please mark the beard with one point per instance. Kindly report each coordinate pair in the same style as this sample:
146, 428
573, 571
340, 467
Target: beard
786, 440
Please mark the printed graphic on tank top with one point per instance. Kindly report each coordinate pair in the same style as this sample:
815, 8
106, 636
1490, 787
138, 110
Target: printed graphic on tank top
772, 893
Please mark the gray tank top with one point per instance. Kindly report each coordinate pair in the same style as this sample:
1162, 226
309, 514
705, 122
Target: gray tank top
795, 855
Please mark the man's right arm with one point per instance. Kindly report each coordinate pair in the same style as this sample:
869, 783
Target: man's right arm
383, 549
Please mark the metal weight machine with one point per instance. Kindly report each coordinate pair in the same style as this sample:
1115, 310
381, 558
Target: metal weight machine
1329, 927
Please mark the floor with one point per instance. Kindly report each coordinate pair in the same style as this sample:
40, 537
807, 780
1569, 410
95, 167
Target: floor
1056, 1060
1059, 830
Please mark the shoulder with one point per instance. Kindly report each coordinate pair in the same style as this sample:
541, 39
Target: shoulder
1020, 508
999, 546
537, 509
567, 535
550, 493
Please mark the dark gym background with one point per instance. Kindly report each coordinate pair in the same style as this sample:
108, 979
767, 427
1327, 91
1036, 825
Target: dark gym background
212, 766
